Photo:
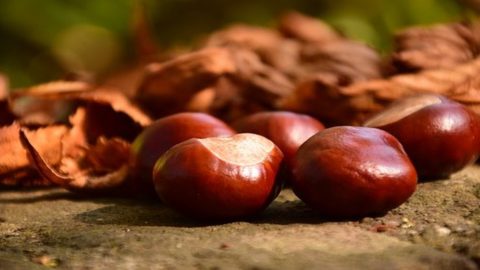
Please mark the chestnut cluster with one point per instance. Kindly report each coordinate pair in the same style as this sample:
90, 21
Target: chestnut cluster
200, 167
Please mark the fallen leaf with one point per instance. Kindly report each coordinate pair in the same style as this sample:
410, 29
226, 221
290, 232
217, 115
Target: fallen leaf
306, 29
15, 168
436, 46
353, 104
103, 106
80, 174
168, 86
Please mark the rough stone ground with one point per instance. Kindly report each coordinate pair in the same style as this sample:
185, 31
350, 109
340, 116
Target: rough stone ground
438, 228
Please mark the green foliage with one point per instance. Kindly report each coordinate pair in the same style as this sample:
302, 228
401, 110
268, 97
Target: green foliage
41, 40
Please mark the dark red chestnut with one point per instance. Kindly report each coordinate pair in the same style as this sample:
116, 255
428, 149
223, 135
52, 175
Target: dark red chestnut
439, 135
352, 172
168, 131
287, 130
219, 178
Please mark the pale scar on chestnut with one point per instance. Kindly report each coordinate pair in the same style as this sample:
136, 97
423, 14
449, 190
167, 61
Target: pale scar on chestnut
242, 149
403, 108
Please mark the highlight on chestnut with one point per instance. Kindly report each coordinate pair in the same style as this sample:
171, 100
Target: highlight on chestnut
219, 178
345, 172
168, 131
288, 130
439, 135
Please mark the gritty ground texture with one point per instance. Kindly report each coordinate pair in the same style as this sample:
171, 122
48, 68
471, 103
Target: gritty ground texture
438, 228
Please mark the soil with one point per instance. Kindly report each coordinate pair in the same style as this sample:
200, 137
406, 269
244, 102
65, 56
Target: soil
438, 228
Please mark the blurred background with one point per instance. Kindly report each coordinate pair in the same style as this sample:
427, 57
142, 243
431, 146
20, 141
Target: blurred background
44, 40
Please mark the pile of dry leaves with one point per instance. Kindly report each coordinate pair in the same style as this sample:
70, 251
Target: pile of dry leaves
77, 134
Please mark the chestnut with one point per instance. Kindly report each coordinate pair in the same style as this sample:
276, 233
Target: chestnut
219, 178
287, 130
168, 131
439, 135
345, 172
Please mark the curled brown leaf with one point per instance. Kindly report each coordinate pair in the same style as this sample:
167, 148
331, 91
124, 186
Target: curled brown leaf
15, 167
344, 60
270, 46
355, 103
261, 82
257, 39
6, 115
102, 105
168, 86
436, 46
102, 168
306, 29
3, 87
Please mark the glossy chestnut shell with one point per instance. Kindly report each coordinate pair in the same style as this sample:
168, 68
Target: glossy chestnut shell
439, 135
287, 130
219, 178
344, 172
168, 131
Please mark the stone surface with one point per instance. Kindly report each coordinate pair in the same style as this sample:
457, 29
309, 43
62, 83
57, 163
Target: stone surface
438, 228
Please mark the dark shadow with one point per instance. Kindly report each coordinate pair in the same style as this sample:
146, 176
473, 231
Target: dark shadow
441, 178
137, 213
31, 196
288, 212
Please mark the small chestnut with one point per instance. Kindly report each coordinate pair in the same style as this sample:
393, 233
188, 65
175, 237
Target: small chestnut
219, 178
439, 135
287, 130
168, 131
344, 172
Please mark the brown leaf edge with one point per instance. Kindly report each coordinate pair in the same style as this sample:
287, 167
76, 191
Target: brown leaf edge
81, 91
83, 181
353, 104
16, 170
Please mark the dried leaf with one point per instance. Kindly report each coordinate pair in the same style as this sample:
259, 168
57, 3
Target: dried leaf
6, 115
53, 89
15, 168
201, 101
306, 29
103, 106
230, 102
168, 86
355, 103
437, 46
261, 82
254, 87
346, 61
3, 87
91, 173
100, 168
257, 39
48, 140
126, 80
271, 48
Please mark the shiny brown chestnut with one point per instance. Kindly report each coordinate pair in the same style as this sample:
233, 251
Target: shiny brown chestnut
344, 172
219, 178
287, 130
168, 131
439, 135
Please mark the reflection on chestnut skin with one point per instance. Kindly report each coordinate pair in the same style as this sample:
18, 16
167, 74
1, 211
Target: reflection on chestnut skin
168, 131
347, 172
219, 178
287, 130
439, 135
